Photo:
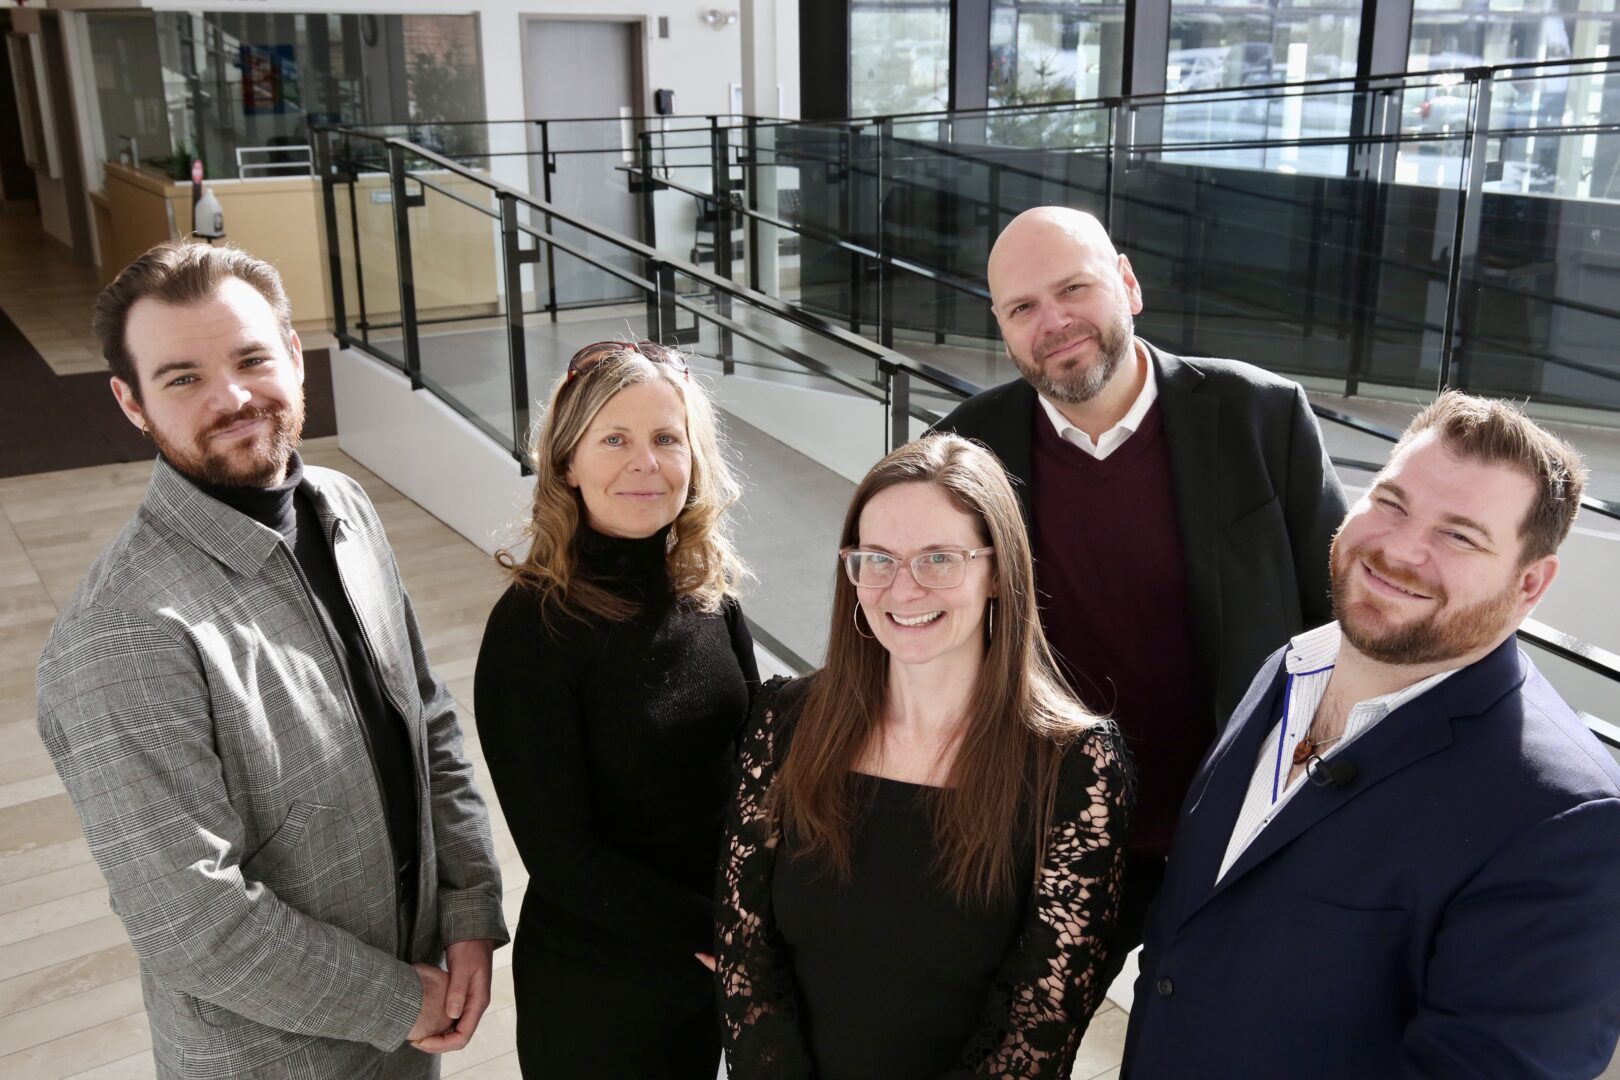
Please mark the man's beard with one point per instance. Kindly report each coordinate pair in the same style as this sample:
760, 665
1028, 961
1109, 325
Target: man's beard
245, 464
1434, 639
1079, 383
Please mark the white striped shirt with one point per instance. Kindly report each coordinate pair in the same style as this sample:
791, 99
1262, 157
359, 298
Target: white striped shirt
1309, 663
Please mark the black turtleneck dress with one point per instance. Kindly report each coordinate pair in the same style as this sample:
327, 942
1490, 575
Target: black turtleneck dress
611, 745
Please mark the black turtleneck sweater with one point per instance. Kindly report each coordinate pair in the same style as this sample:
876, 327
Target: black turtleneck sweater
610, 745
289, 509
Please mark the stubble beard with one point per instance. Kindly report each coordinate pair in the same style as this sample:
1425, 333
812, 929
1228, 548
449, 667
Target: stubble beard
1433, 639
1079, 383
257, 464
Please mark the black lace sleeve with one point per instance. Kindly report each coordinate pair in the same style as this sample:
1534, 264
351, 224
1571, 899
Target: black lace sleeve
759, 1010
1051, 983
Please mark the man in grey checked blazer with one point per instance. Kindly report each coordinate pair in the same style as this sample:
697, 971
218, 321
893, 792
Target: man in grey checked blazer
197, 699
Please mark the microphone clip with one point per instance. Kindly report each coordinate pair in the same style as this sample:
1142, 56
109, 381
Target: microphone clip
1324, 773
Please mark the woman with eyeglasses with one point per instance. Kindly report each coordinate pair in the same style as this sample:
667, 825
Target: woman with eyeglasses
924, 854
614, 676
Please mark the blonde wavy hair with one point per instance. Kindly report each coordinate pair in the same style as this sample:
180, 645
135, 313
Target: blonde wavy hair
704, 567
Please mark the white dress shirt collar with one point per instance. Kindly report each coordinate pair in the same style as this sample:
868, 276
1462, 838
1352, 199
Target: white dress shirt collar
1114, 437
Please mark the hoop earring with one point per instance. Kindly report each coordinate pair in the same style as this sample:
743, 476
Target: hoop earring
858, 630
990, 616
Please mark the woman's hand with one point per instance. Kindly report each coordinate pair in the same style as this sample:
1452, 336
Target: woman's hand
706, 959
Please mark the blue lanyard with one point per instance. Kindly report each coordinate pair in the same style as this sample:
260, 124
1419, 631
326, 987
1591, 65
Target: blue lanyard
1282, 731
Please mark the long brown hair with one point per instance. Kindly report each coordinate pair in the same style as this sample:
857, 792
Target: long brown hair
1019, 716
704, 567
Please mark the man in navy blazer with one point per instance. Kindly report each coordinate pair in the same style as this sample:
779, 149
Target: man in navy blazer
1402, 857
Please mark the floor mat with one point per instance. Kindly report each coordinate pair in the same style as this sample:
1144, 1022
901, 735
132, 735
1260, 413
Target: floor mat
50, 421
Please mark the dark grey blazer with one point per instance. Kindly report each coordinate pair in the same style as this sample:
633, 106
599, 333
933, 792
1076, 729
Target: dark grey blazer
1257, 497
200, 718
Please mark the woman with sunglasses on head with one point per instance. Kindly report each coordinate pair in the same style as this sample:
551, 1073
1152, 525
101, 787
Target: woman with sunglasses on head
924, 855
614, 676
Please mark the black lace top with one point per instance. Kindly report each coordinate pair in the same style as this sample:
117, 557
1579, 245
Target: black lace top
1037, 1001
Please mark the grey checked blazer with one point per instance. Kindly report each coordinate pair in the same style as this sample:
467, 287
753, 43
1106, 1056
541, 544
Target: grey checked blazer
194, 704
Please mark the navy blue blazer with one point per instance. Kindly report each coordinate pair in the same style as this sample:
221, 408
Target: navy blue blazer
1454, 911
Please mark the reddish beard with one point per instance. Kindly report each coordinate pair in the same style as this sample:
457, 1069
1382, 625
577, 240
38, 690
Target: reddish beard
259, 463
1439, 636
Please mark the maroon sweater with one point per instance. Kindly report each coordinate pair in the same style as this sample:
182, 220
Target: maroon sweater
1114, 602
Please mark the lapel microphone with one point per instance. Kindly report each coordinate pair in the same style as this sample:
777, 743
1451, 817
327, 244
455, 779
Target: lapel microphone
1335, 774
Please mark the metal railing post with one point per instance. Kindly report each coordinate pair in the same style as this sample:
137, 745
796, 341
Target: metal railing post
1121, 126
334, 253
1465, 239
899, 387
751, 175
720, 165
885, 303
402, 255
548, 165
513, 258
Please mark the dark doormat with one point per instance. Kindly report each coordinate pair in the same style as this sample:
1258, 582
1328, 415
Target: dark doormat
50, 421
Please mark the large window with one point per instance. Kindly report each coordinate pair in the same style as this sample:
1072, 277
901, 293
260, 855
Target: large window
1226, 43
1449, 34
899, 56
241, 90
1055, 50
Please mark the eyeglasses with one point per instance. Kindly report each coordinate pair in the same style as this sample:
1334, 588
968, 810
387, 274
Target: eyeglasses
943, 568
596, 352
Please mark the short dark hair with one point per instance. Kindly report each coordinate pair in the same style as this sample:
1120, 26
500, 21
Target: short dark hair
1499, 433
179, 272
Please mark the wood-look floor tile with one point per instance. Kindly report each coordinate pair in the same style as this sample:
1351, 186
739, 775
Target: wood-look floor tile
496, 1038
70, 977
37, 822
504, 1067
24, 764
18, 927
44, 860
140, 1066
29, 789
53, 947
53, 1020
1104, 1044
52, 885
114, 1050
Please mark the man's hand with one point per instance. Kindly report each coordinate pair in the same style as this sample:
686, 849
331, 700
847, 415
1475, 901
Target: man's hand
432, 1019
466, 996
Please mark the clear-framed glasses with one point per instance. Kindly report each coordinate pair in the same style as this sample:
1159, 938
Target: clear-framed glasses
596, 352
942, 568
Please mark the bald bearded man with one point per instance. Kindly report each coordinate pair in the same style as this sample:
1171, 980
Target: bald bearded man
1180, 508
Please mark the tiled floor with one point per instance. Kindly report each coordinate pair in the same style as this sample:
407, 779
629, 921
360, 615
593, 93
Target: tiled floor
48, 296
70, 1003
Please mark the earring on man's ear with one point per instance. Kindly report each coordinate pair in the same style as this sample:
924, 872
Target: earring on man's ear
858, 630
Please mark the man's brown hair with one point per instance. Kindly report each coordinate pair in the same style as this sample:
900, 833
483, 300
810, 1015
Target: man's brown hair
179, 272
1498, 433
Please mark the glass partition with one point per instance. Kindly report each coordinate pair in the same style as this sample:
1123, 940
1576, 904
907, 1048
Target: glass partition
242, 89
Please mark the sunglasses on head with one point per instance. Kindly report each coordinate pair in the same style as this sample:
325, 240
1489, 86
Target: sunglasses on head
595, 353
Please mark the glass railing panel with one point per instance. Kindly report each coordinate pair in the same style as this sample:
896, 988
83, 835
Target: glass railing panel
1539, 310
686, 226
771, 187
1296, 131
1332, 276
807, 392
782, 346
371, 290
460, 302
575, 283
548, 345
